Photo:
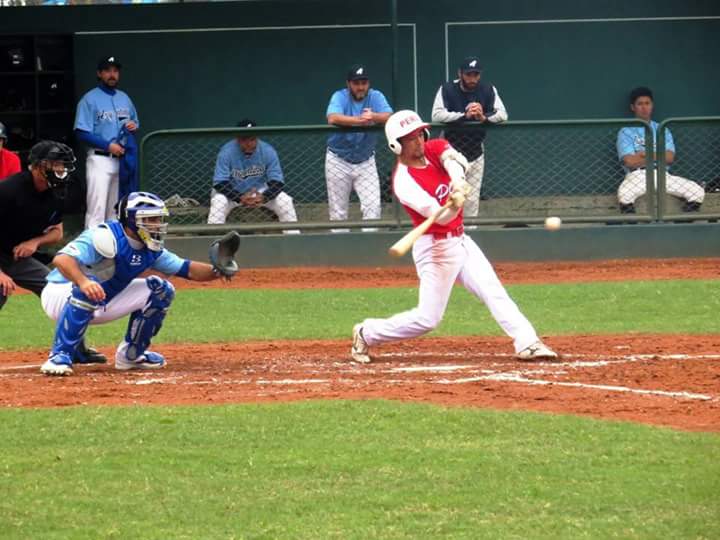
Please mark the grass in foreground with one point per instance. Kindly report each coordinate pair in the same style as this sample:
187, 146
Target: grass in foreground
350, 470
231, 315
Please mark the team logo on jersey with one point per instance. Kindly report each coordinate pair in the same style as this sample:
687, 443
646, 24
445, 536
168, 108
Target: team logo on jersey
135, 260
442, 191
105, 115
254, 170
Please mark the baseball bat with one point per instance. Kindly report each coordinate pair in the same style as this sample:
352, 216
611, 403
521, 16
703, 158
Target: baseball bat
402, 246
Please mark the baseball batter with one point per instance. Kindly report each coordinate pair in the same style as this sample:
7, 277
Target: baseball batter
248, 173
100, 115
96, 281
426, 175
350, 157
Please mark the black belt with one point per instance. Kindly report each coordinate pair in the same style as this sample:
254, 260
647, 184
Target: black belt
102, 153
351, 162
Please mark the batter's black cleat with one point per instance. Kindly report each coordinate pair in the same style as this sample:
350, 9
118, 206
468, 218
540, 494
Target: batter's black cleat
627, 208
88, 355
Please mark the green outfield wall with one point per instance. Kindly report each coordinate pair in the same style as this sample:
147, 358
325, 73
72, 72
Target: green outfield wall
499, 244
205, 64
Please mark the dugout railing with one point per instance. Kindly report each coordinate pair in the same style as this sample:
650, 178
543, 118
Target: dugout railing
533, 169
697, 158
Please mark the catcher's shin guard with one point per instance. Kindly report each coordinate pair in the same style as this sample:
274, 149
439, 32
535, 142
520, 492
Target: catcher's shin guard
146, 323
72, 323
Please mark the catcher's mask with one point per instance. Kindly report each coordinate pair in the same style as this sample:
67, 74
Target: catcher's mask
56, 161
145, 214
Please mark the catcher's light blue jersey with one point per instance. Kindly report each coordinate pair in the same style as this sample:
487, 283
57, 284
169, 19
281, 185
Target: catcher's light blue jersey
631, 140
358, 146
247, 172
103, 112
129, 262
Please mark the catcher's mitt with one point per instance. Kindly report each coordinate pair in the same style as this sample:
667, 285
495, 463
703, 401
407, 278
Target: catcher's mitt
222, 254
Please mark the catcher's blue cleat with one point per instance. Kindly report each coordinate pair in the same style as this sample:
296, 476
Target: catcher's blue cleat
147, 360
58, 364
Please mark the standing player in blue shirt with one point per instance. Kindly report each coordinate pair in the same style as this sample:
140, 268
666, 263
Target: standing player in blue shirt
96, 281
350, 157
248, 173
100, 115
631, 152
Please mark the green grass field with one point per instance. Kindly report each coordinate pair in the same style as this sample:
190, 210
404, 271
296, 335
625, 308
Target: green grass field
368, 469
350, 470
232, 315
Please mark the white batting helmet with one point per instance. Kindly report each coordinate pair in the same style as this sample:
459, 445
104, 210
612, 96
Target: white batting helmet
400, 124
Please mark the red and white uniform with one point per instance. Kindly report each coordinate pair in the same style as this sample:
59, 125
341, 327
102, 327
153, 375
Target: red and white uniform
442, 256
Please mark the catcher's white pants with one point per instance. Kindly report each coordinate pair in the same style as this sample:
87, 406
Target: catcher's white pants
474, 177
342, 177
221, 206
439, 263
102, 175
634, 186
55, 295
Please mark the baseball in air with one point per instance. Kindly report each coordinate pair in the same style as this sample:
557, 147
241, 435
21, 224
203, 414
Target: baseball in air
553, 223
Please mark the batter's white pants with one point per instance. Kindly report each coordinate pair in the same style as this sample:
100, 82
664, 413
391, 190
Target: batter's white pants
474, 177
439, 263
221, 206
342, 177
102, 188
634, 186
55, 295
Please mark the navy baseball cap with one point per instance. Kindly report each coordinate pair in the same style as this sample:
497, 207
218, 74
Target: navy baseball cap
471, 64
357, 72
107, 61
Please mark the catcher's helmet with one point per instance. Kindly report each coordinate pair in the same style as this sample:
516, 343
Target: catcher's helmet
400, 124
3, 131
144, 213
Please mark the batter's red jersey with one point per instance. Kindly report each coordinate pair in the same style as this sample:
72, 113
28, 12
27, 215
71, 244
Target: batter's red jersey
9, 163
434, 182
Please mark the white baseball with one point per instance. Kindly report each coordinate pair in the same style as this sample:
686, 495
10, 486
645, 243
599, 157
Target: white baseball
553, 223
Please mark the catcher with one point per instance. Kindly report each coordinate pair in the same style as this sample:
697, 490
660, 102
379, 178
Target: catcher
96, 281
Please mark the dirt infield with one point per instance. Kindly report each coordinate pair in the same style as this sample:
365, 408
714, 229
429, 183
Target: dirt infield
665, 380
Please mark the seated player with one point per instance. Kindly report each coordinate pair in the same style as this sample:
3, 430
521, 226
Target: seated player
96, 281
248, 173
631, 152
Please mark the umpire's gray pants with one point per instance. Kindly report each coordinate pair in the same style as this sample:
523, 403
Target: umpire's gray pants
28, 273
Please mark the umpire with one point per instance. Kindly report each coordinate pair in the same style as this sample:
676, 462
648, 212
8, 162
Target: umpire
31, 212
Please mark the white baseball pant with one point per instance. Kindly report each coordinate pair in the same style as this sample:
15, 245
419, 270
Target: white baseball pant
55, 295
102, 175
342, 177
439, 263
634, 186
221, 206
474, 177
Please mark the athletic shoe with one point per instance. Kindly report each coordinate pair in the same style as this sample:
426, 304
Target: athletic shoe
147, 360
359, 350
58, 364
537, 351
88, 355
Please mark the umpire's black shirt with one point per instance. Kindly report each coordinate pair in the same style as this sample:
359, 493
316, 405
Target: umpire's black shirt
25, 212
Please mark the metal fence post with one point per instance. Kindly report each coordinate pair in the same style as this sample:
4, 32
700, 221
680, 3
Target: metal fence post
650, 191
661, 172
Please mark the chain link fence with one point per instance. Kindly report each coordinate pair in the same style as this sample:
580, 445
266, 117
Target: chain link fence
287, 179
695, 168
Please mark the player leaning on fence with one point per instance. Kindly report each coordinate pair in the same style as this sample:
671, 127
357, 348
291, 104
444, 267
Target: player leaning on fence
467, 99
631, 152
350, 158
